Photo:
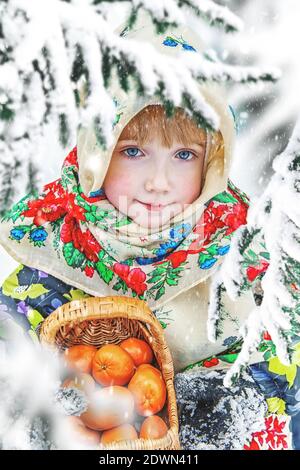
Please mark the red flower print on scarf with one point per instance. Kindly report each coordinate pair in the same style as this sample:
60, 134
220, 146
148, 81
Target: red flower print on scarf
91, 200
237, 218
275, 438
68, 231
89, 271
71, 159
209, 223
254, 271
48, 209
82, 241
177, 258
270, 438
253, 445
91, 247
55, 187
73, 209
135, 281
121, 270
267, 337
212, 219
211, 363
133, 278
180, 257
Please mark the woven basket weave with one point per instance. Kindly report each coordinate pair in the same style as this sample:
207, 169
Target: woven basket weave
100, 320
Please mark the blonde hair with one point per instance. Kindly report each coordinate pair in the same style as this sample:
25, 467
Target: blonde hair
153, 120
180, 127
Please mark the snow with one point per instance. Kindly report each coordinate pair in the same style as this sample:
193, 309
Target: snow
215, 418
271, 36
219, 14
33, 406
70, 401
162, 9
9, 80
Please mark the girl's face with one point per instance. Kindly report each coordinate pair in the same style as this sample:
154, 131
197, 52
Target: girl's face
151, 183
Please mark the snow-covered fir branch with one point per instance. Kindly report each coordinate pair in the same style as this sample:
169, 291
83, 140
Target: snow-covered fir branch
170, 10
267, 248
47, 49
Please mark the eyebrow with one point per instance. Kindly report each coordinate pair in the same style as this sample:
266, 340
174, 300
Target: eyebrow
126, 140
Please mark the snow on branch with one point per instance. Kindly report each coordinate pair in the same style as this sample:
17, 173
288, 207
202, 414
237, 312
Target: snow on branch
271, 241
48, 49
216, 14
39, 33
166, 13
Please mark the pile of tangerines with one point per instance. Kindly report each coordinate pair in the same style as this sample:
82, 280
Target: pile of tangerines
125, 392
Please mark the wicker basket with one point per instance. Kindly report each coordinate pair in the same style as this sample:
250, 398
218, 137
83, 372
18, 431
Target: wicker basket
100, 320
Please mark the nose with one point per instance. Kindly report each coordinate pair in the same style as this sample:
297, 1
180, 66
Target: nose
158, 180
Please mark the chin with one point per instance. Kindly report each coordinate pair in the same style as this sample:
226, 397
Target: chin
151, 221
151, 224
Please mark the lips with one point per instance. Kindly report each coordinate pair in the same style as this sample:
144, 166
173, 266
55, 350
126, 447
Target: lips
153, 207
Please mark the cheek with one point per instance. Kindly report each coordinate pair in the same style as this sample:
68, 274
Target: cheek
118, 188
189, 185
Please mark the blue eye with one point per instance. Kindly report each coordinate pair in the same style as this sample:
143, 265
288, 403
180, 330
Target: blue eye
185, 155
132, 152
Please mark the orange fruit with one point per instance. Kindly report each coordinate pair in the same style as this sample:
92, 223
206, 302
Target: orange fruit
109, 407
149, 390
139, 350
120, 433
112, 365
80, 433
83, 382
80, 357
153, 427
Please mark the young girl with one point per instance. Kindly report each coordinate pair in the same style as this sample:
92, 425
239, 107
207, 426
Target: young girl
151, 217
